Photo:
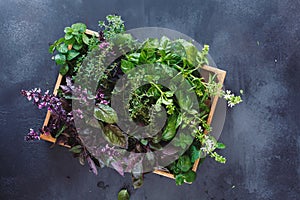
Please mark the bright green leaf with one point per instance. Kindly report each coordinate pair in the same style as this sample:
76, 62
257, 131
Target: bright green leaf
220, 145
85, 39
62, 48
68, 36
79, 27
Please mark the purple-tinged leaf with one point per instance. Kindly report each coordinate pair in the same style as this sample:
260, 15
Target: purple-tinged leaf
92, 165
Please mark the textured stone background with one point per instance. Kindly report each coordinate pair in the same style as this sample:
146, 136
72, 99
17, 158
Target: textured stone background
255, 41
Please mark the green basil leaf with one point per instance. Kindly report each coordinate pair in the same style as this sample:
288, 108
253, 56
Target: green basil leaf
190, 176
85, 39
79, 27
64, 70
195, 154
115, 136
60, 59
72, 54
179, 179
126, 66
123, 195
77, 47
106, 114
68, 36
68, 30
62, 48
184, 163
170, 130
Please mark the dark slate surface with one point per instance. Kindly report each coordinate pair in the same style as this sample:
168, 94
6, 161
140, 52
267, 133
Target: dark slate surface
255, 41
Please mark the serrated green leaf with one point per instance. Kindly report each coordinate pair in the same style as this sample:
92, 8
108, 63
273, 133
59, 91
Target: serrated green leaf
105, 113
115, 136
85, 39
72, 54
60, 59
123, 195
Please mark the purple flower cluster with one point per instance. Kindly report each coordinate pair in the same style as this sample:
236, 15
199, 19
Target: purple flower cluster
59, 116
32, 135
100, 97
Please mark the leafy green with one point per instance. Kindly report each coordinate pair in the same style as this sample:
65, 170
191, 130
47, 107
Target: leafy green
105, 113
184, 163
115, 136
123, 195
60, 59
72, 54
64, 70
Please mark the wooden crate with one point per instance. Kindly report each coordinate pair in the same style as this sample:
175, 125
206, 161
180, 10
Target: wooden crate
205, 71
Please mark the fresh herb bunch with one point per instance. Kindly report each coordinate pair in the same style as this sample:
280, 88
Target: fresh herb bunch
77, 54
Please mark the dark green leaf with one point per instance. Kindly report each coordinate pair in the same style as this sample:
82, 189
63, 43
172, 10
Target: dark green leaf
72, 54
60, 59
184, 163
64, 70
220, 145
126, 66
85, 39
123, 195
195, 154
76, 149
115, 136
190, 176
170, 130
106, 114
179, 179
